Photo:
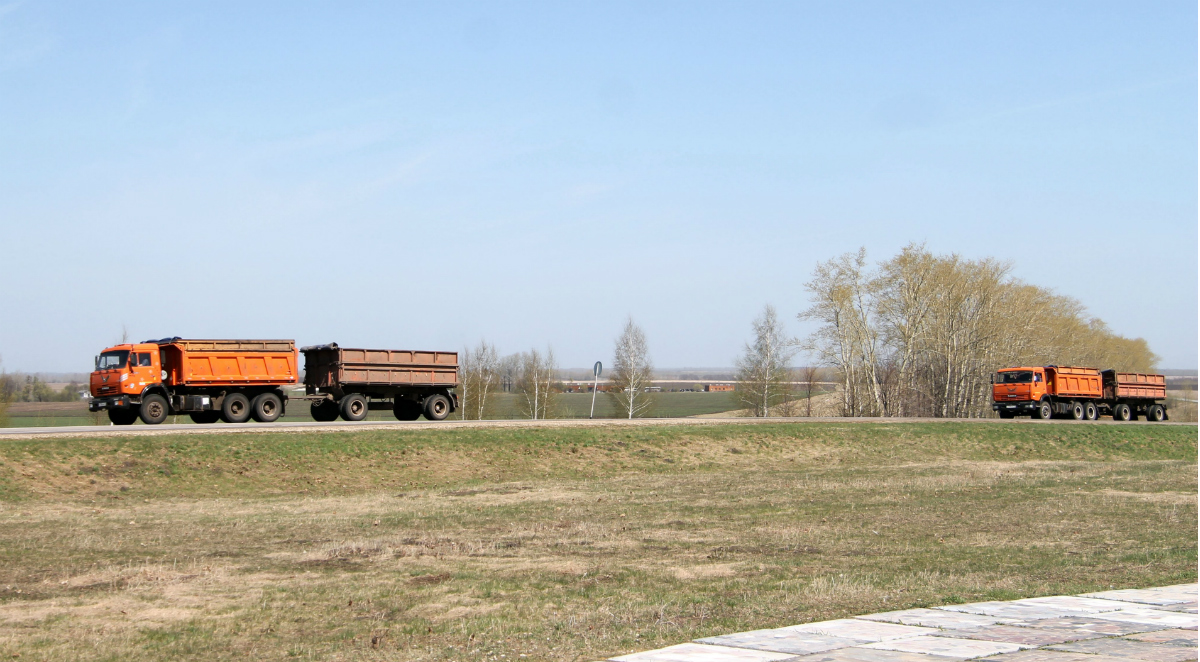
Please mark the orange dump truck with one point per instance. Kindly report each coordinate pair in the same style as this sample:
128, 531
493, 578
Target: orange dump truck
210, 380
1079, 393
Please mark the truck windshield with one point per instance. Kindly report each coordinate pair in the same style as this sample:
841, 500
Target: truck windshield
111, 360
1015, 377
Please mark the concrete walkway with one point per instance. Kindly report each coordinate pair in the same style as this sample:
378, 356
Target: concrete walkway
1152, 625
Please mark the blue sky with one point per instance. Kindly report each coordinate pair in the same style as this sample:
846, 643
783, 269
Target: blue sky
426, 175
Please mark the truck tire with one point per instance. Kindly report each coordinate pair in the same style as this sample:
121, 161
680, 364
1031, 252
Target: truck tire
1006, 414
324, 411
122, 416
266, 407
1090, 412
205, 417
437, 407
1121, 412
1156, 413
1045, 411
235, 408
1077, 410
354, 407
154, 410
406, 410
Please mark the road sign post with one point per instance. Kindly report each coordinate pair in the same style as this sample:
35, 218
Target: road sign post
596, 369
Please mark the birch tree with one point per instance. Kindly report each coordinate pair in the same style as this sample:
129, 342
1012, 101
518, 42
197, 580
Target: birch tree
535, 384
763, 375
479, 377
632, 372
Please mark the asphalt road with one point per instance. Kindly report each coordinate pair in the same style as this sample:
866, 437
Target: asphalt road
348, 426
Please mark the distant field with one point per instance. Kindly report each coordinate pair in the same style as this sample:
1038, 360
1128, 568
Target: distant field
563, 544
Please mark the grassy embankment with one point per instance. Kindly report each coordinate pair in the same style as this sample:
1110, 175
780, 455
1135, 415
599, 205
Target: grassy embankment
563, 544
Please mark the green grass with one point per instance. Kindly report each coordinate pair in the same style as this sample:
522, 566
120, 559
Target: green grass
563, 543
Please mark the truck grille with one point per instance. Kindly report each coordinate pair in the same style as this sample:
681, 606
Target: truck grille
105, 390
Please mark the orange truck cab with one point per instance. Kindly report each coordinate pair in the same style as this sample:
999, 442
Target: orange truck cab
1076, 392
210, 380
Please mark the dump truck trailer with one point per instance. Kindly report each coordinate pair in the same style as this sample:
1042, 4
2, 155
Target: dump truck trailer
346, 382
210, 380
1079, 393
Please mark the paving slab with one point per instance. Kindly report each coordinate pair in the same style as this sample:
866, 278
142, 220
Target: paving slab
1130, 650
1151, 616
1026, 636
873, 655
962, 649
1185, 607
702, 653
1011, 610
934, 618
861, 631
1174, 637
781, 640
1165, 595
1079, 604
1045, 655
1091, 624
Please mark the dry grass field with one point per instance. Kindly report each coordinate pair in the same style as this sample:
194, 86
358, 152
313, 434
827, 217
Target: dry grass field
563, 544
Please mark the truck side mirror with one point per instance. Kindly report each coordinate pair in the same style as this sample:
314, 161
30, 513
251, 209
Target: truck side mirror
97, 362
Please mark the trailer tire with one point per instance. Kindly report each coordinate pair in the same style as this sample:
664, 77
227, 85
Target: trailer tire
1090, 412
1156, 413
153, 410
266, 407
354, 407
1121, 412
437, 407
235, 408
324, 411
122, 416
406, 410
205, 417
1045, 411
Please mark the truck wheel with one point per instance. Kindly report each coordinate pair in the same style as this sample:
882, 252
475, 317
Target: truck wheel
406, 410
205, 417
266, 407
324, 411
1006, 414
122, 416
1089, 411
153, 410
354, 407
1077, 410
1156, 413
235, 408
1121, 412
437, 407
1044, 411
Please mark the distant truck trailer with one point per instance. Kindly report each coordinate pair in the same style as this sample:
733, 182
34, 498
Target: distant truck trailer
348, 382
210, 380
1080, 393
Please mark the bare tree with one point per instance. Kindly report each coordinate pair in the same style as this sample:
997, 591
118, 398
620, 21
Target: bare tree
632, 372
535, 383
808, 375
479, 376
762, 369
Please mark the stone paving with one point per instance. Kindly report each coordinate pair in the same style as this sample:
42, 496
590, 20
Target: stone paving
1150, 625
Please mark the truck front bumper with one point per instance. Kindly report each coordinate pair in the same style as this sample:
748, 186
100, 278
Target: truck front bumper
1022, 407
116, 402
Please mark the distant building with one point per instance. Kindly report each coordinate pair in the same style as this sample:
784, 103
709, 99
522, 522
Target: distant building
718, 388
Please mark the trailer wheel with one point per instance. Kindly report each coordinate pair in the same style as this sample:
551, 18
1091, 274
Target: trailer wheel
1156, 413
324, 411
1089, 411
205, 417
153, 410
266, 407
1044, 411
122, 416
1121, 412
235, 408
406, 410
437, 407
354, 407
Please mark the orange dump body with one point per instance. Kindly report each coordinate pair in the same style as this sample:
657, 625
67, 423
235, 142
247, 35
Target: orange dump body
1134, 385
1072, 382
231, 362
